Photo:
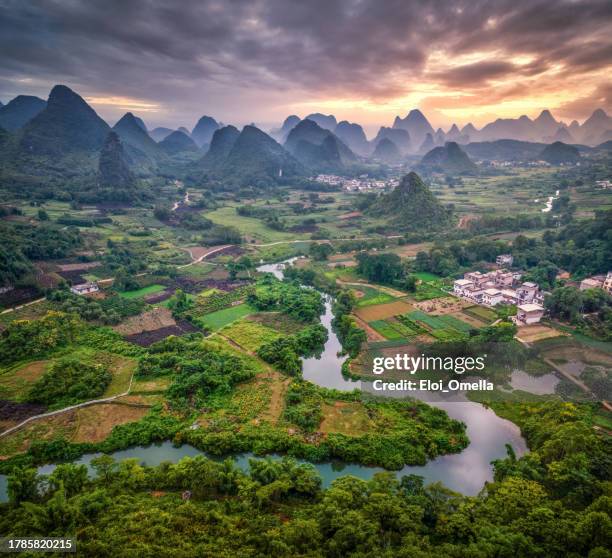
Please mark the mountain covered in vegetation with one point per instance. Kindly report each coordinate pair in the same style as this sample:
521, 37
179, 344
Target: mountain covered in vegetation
159, 134
203, 131
113, 170
450, 159
503, 150
19, 111
318, 148
220, 146
416, 124
139, 144
67, 124
411, 206
280, 134
387, 151
178, 142
325, 121
399, 136
251, 158
559, 152
353, 136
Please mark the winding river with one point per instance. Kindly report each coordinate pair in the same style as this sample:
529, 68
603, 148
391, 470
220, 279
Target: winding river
465, 472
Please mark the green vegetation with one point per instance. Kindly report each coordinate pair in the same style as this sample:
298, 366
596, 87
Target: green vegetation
271, 294
285, 352
371, 297
109, 310
220, 318
29, 339
411, 207
144, 291
21, 243
250, 335
69, 381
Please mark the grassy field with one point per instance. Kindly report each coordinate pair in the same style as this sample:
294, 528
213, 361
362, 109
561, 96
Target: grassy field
140, 293
250, 335
371, 297
16, 382
221, 318
277, 321
249, 226
444, 328
385, 329
480, 312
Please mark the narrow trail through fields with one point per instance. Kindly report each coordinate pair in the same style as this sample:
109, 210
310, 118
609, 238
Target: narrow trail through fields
66, 409
576, 381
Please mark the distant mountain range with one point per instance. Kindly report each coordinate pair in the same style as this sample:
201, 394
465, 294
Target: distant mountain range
64, 136
421, 136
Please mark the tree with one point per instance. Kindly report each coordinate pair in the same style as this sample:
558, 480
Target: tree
564, 303
321, 250
410, 284
23, 485
43, 215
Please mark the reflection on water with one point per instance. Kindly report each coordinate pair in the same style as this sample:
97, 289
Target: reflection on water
464, 472
326, 370
540, 385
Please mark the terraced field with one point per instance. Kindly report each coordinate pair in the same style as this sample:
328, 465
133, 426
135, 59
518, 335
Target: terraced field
444, 328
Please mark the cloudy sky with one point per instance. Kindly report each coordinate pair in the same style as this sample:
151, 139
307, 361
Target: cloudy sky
362, 60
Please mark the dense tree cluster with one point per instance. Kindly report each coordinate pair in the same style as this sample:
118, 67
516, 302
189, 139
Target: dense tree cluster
21, 243
380, 268
34, 338
69, 381
197, 368
582, 248
351, 336
590, 309
551, 502
271, 294
109, 310
285, 352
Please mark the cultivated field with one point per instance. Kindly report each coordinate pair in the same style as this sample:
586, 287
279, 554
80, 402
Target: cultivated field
536, 332
382, 311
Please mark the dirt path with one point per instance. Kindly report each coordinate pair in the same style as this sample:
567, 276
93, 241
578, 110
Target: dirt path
67, 409
277, 397
575, 380
24, 305
198, 259
388, 290
326, 241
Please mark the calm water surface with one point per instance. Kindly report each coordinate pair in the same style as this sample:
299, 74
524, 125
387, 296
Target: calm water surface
464, 472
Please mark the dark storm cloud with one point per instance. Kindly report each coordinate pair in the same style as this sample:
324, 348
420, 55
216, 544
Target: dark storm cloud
477, 73
199, 51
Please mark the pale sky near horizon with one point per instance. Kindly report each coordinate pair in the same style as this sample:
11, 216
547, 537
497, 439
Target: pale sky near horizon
365, 61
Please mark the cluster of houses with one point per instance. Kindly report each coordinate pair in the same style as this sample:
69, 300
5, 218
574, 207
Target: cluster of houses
503, 287
361, 184
598, 282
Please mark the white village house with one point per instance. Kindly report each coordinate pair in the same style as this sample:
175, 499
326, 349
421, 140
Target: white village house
529, 313
85, 288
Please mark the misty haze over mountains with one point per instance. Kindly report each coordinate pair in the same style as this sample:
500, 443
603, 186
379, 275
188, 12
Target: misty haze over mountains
38, 138
420, 134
